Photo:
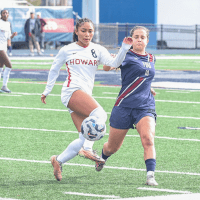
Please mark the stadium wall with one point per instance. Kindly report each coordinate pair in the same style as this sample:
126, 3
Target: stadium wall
129, 11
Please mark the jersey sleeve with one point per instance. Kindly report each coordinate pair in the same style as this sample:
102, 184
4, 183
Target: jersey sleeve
54, 71
107, 59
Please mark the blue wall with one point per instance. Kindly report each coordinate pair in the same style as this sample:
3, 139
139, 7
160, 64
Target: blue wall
124, 11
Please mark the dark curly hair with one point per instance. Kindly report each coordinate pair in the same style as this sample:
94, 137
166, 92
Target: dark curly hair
78, 24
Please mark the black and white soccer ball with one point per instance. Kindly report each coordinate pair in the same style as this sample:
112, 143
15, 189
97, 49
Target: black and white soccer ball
93, 129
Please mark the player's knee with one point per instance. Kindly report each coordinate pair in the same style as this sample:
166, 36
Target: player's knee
148, 141
99, 113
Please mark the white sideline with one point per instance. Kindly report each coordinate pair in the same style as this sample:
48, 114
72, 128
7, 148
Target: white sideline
58, 95
48, 130
91, 195
64, 110
194, 196
108, 167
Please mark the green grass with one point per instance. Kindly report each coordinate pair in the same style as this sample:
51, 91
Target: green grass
180, 64
29, 177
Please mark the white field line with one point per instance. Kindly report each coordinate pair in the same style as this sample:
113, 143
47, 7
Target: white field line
10, 95
178, 57
32, 63
193, 196
168, 101
92, 195
25, 108
8, 199
178, 91
108, 167
59, 110
60, 131
164, 190
171, 101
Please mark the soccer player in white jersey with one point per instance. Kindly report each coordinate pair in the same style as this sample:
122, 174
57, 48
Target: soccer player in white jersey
82, 59
5, 35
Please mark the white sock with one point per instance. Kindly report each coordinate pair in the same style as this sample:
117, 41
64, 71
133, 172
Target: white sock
6, 75
1, 70
72, 150
88, 145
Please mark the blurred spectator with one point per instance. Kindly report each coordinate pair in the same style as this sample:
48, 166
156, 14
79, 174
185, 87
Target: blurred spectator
42, 34
32, 31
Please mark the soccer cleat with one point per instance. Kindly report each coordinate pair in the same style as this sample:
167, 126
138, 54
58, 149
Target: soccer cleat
5, 89
40, 53
99, 166
151, 179
90, 155
31, 54
57, 168
42, 50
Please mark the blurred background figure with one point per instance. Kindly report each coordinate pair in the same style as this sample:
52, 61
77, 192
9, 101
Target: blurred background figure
42, 34
9, 42
5, 36
32, 30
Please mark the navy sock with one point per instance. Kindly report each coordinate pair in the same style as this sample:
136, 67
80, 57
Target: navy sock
104, 156
10, 49
150, 164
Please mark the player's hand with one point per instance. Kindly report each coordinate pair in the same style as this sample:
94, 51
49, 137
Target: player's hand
29, 34
128, 40
113, 55
43, 99
153, 92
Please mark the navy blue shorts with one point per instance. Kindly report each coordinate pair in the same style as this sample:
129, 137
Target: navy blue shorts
126, 118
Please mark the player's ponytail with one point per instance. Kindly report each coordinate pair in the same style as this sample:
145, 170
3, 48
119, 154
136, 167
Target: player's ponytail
75, 37
78, 24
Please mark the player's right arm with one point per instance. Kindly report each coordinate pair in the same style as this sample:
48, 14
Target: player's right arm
54, 73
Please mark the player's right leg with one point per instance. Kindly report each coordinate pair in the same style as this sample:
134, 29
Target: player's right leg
83, 104
115, 140
4, 60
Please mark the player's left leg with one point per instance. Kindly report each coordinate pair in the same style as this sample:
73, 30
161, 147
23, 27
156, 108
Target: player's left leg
115, 140
146, 129
6, 74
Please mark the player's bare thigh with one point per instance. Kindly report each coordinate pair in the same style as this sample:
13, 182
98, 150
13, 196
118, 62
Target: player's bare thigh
146, 126
4, 60
82, 103
77, 119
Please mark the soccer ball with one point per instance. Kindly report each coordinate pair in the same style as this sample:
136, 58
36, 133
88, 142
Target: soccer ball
93, 129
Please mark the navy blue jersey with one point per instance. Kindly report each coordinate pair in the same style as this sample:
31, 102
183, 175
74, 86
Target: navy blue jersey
137, 73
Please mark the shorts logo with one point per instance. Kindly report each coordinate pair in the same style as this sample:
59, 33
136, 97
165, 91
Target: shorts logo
93, 53
147, 73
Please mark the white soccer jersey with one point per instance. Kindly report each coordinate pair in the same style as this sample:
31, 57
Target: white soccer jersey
5, 34
82, 63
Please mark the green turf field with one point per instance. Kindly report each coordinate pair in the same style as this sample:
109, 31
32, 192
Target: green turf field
32, 132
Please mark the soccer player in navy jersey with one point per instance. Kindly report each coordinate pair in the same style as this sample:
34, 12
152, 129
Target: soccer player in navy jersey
135, 104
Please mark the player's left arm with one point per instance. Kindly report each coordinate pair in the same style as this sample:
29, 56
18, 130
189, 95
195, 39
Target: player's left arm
13, 35
108, 68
